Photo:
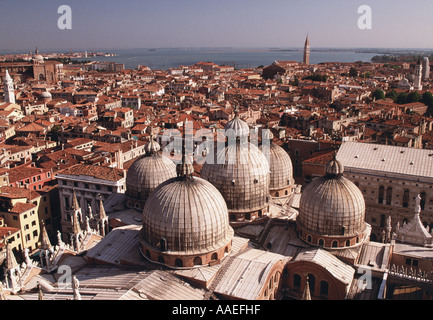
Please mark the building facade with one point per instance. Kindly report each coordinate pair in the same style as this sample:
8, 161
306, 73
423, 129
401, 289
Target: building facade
390, 179
86, 183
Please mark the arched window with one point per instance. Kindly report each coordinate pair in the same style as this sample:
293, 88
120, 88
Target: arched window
388, 196
178, 263
335, 244
296, 282
309, 238
197, 261
381, 193
321, 242
324, 287
347, 243
161, 259
277, 194
148, 253
406, 198
214, 256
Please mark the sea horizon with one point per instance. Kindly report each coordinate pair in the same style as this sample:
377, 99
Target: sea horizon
240, 57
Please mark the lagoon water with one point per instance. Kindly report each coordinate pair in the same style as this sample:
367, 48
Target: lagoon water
166, 58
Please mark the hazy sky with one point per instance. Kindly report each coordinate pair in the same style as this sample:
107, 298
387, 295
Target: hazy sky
218, 23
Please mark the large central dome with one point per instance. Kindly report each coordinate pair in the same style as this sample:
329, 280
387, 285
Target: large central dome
332, 210
185, 222
240, 171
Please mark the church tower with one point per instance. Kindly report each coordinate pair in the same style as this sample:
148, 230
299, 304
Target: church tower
426, 69
306, 59
418, 76
9, 92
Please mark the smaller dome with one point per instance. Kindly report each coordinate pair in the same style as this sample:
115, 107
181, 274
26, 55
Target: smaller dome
146, 173
45, 95
332, 208
38, 58
281, 167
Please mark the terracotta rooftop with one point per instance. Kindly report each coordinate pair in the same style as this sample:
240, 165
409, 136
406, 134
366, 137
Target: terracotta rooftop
15, 192
21, 207
103, 173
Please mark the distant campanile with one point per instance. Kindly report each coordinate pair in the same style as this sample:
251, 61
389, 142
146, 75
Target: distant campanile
426, 69
8, 85
307, 51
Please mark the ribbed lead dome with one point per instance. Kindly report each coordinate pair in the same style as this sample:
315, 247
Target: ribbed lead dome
241, 173
280, 163
188, 215
332, 205
148, 172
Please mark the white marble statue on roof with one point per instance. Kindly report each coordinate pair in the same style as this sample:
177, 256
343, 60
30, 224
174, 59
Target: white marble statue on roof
414, 231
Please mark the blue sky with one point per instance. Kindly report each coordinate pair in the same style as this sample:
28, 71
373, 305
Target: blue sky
219, 23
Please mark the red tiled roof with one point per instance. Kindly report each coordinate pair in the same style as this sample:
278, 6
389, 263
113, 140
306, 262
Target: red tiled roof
99, 172
21, 207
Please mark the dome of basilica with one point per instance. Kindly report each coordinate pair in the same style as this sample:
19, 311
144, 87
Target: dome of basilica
146, 173
281, 168
332, 210
241, 173
185, 222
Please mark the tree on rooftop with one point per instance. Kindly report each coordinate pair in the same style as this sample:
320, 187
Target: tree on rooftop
427, 99
402, 98
353, 72
392, 95
414, 96
378, 94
